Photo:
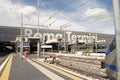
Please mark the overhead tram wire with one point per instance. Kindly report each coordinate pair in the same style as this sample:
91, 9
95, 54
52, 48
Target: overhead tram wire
14, 3
86, 24
56, 13
33, 13
74, 8
52, 23
77, 7
64, 8
13, 8
27, 22
32, 16
83, 23
35, 25
84, 19
94, 12
81, 6
68, 4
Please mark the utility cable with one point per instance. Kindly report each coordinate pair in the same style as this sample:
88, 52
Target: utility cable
74, 8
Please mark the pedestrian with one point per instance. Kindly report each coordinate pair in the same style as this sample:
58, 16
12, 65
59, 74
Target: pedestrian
26, 55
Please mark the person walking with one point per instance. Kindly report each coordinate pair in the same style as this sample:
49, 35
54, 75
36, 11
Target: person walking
26, 54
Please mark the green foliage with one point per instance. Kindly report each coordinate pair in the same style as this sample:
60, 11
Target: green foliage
90, 49
52, 62
57, 62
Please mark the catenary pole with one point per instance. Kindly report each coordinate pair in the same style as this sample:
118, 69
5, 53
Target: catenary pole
65, 41
21, 36
39, 42
117, 33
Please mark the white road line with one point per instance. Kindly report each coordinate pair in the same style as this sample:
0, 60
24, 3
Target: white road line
45, 71
3, 64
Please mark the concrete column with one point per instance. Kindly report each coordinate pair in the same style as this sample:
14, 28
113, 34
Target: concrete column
38, 48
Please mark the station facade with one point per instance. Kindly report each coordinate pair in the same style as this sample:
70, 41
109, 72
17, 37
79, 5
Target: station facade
59, 39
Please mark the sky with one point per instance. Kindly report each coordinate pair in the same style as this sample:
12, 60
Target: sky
76, 15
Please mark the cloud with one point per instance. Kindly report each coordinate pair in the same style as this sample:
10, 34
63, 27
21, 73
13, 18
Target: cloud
97, 14
9, 16
27, 10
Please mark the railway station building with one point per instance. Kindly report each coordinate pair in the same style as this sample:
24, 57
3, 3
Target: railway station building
52, 40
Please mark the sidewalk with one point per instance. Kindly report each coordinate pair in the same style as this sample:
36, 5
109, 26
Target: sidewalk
23, 70
33, 69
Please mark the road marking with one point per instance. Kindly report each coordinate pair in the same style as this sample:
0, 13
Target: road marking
59, 71
3, 64
6, 72
45, 71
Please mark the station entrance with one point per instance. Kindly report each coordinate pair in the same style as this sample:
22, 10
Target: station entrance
32, 44
35, 45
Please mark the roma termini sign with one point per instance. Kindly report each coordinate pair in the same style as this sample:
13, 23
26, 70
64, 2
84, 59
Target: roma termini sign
68, 35
10, 33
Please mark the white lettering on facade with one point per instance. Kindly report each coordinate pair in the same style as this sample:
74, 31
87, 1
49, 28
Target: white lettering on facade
58, 36
87, 38
28, 32
73, 37
37, 35
68, 34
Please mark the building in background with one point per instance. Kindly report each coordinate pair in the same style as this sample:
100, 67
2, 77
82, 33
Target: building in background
73, 41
